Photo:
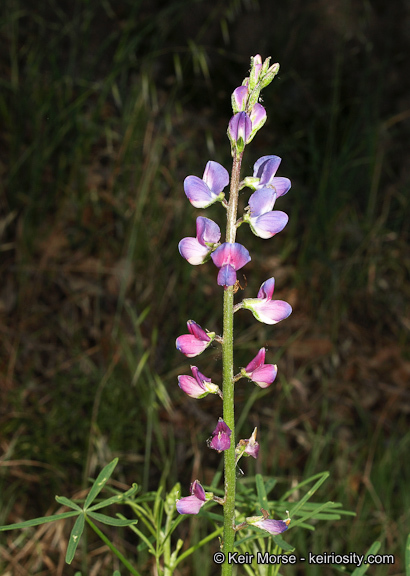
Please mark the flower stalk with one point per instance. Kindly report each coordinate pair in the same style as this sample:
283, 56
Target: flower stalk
230, 256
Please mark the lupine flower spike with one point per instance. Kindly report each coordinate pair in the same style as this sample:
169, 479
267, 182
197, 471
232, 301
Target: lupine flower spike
230, 256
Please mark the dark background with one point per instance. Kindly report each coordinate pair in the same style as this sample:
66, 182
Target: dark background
105, 108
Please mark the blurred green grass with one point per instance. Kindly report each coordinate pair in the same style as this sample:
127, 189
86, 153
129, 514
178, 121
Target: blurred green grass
105, 109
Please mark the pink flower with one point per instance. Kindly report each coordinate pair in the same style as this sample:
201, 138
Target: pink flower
264, 308
195, 342
220, 439
199, 386
262, 374
192, 504
229, 257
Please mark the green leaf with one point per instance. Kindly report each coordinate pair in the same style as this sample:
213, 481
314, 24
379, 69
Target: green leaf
310, 514
309, 493
260, 488
75, 536
286, 547
114, 499
100, 482
407, 557
110, 520
363, 568
67, 502
37, 521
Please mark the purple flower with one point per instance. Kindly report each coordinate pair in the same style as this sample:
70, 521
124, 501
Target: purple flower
264, 308
258, 118
262, 374
239, 99
204, 192
239, 130
265, 169
195, 342
199, 386
192, 504
220, 439
264, 221
197, 250
229, 257
272, 526
248, 447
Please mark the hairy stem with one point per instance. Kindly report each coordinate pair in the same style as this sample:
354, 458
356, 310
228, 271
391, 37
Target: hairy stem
228, 378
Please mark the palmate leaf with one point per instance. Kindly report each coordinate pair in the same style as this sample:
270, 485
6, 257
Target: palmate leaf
75, 537
100, 482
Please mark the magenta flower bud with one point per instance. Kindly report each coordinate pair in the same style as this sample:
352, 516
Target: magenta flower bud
220, 439
239, 99
264, 221
262, 374
265, 169
192, 504
198, 386
272, 526
197, 250
195, 342
229, 257
239, 130
204, 192
264, 308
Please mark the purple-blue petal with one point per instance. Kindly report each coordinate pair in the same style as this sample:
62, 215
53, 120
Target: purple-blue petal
226, 276
267, 288
265, 168
207, 231
231, 253
269, 224
262, 201
197, 192
281, 185
194, 252
216, 177
240, 126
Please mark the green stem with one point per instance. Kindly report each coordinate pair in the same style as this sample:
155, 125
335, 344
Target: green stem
112, 547
228, 379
